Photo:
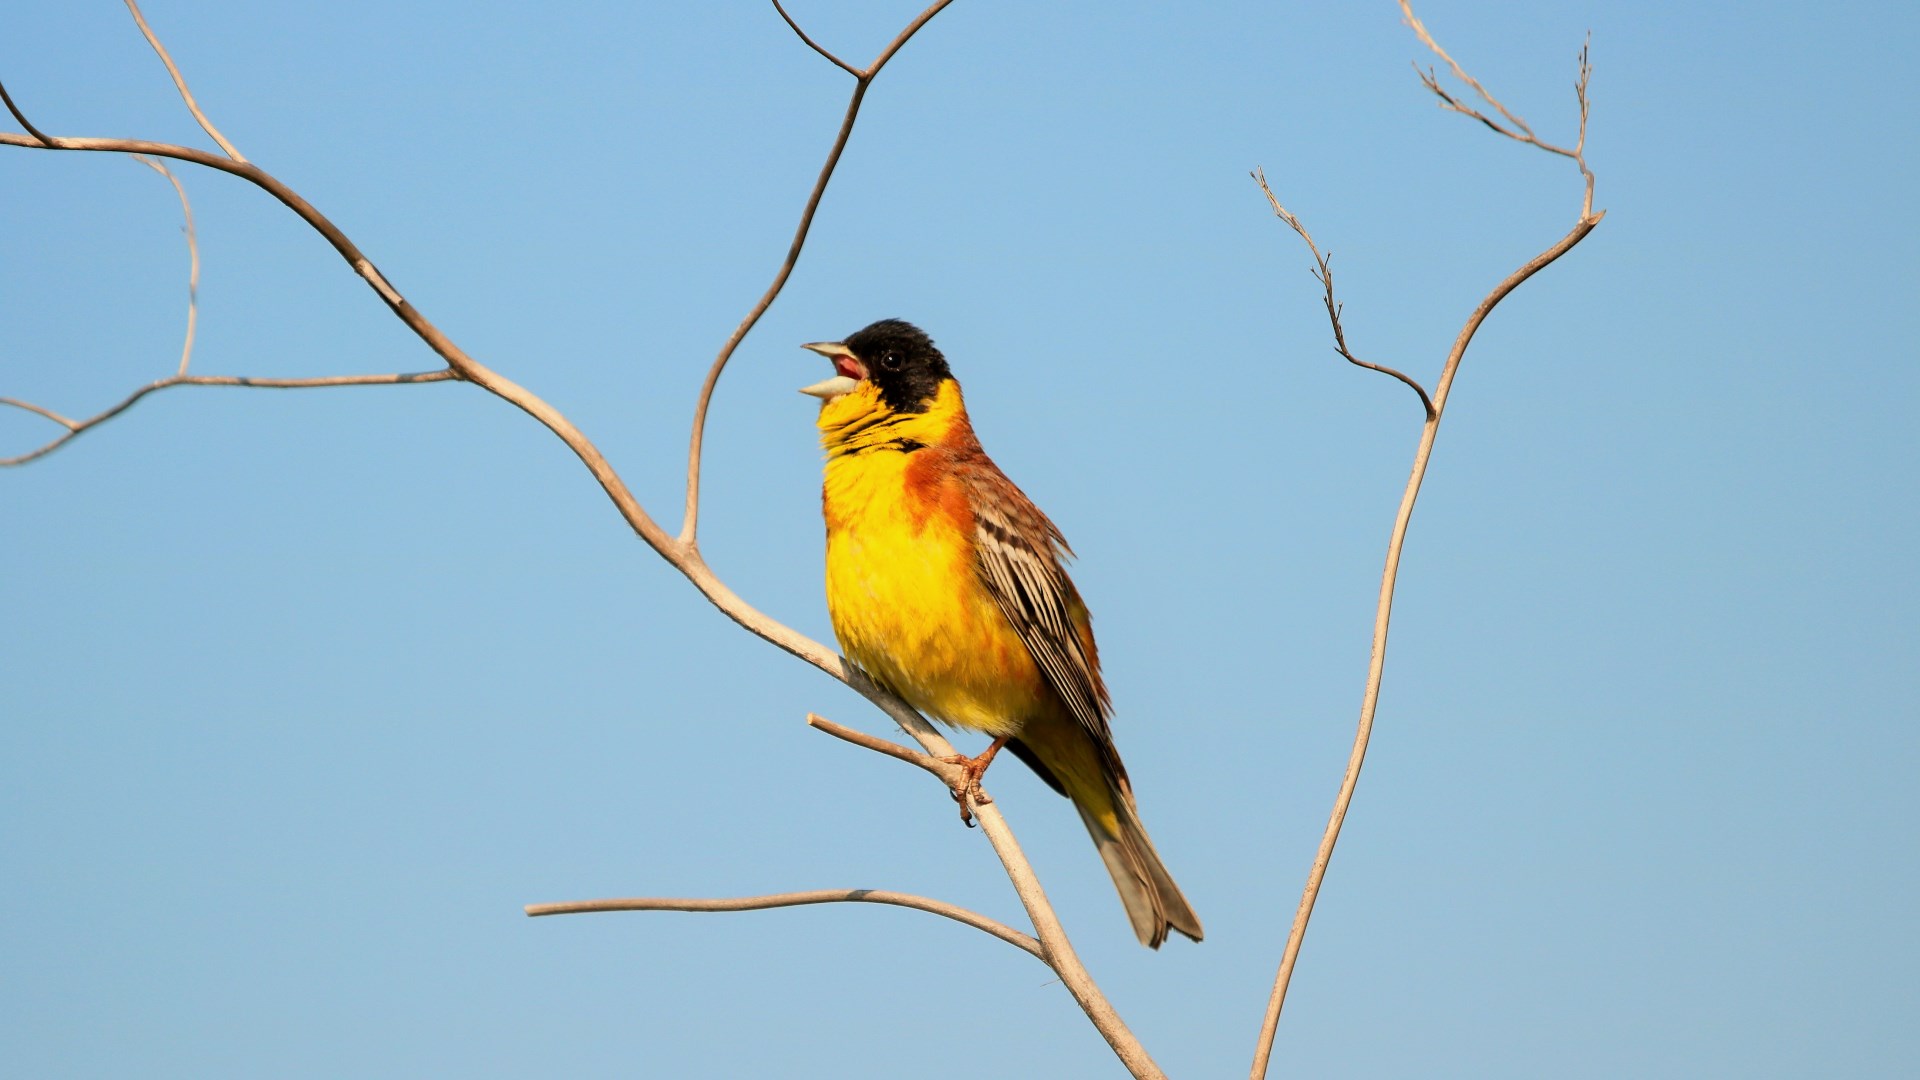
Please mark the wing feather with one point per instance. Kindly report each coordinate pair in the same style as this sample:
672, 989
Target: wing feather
1018, 554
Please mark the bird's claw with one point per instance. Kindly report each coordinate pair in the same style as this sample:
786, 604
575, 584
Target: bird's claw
969, 787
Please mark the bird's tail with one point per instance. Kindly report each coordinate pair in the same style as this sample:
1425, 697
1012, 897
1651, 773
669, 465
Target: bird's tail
1074, 766
1154, 903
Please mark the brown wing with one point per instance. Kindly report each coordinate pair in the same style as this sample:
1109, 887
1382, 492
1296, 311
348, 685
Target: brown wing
1017, 553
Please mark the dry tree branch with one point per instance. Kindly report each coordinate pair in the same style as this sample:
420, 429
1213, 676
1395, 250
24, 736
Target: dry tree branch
863, 78
1396, 541
800, 899
1324, 275
949, 773
180, 83
816, 46
679, 552
76, 428
193, 257
22, 117
1420, 29
1519, 131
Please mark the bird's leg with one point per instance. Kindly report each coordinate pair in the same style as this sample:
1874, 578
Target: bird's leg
972, 769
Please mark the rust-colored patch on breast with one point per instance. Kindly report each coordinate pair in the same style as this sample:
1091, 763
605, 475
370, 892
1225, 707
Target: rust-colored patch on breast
933, 479
932, 491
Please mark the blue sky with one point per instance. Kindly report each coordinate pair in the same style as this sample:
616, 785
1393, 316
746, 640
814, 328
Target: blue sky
307, 692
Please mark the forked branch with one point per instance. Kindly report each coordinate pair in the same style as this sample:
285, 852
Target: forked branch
180, 83
862, 79
1514, 128
76, 428
1436, 408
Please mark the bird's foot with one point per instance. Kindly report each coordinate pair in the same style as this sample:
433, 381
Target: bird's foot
971, 770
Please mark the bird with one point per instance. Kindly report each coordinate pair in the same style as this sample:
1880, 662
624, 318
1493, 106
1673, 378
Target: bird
946, 586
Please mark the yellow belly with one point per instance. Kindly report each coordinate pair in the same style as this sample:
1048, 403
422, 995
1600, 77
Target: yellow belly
908, 608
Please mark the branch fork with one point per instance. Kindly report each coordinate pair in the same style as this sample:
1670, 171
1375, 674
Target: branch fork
1435, 405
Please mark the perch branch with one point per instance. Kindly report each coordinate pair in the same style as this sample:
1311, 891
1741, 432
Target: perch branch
949, 773
863, 78
1057, 950
1396, 541
799, 899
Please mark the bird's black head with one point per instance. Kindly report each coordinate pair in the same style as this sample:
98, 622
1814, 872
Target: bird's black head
901, 362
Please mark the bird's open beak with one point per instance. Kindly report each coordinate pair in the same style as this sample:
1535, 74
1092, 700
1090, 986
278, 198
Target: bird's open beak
847, 367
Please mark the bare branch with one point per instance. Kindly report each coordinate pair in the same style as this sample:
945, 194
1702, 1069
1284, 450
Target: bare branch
76, 428
40, 410
1060, 954
1057, 951
950, 774
1324, 275
193, 258
800, 899
45, 142
1396, 541
1580, 145
814, 45
1420, 29
180, 83
690, 523
1519, 131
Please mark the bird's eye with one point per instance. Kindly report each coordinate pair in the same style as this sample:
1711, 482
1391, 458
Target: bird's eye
890, 361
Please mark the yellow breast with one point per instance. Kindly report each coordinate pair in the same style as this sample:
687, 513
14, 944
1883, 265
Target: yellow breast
905, 599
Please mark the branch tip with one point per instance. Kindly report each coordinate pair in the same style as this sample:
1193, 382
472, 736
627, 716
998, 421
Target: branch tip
1323, 273
816, 46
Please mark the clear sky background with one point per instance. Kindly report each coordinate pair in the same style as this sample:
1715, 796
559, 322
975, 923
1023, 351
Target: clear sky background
306, 693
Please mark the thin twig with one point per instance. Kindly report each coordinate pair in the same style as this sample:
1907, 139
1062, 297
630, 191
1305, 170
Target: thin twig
193, 258
1519, 131
1324, 275
76, 428
799, 899
45, 142
180, 83
949, 773
40, 410
814, 45
1580, 144
690, 523
1420, 29
1396, 541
